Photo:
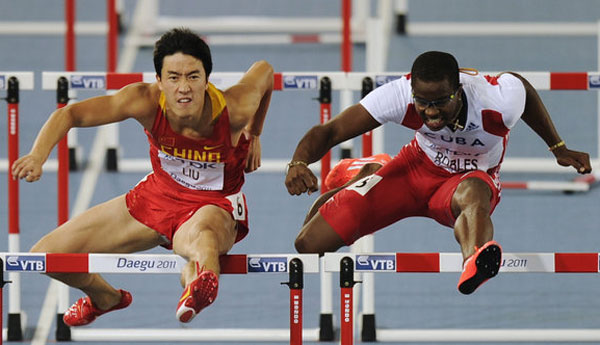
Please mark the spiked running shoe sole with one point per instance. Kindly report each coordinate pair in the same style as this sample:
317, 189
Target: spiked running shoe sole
198, 295
480, 267
83, 311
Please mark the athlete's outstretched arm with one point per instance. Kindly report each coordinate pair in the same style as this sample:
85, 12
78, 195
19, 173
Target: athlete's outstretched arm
131, 101
353, 121
537, 117
250, 99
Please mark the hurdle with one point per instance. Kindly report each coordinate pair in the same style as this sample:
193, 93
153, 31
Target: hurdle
295, 265
52, 28
70, 27
503, 28
13, 82
247, 29
349, 263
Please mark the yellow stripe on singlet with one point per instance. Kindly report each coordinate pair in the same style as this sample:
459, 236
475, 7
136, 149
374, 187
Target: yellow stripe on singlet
217, 100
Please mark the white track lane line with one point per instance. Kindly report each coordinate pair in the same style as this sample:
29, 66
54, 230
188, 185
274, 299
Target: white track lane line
47, 313
82, 203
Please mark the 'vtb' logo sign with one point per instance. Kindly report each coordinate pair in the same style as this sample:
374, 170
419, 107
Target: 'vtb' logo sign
376, 263
87, 82
35, 263
300, 82
266, 264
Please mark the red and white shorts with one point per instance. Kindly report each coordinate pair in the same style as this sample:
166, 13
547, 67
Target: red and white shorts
160, 207
409, 185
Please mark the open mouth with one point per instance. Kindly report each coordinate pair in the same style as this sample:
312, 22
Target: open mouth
434, 122
184, 100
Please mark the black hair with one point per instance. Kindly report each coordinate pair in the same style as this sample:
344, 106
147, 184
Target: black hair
182, 40
436, 66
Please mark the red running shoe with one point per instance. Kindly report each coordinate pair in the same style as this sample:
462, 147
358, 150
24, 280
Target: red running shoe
480, 267
198, 295
84, 311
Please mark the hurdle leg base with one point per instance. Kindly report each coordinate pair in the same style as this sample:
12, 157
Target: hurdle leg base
111, 159
15, 332
368, 333
63, 332
326, 328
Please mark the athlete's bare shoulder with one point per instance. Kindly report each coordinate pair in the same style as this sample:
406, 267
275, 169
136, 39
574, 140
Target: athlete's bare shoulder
140, 101
142, 92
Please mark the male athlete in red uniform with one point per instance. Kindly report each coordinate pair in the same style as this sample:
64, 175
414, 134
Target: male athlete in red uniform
201, 141
448, 172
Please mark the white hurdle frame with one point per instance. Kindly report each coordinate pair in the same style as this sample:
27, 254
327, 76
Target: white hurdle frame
452, 262
163, 263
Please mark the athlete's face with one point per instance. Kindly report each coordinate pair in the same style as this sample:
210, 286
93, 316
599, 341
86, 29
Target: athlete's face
183, 81
436, 102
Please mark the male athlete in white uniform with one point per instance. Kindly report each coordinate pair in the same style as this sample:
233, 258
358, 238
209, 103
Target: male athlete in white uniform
448, 172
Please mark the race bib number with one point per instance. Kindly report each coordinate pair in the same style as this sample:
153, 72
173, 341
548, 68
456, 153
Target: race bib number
239, 205
193, 174
364, 185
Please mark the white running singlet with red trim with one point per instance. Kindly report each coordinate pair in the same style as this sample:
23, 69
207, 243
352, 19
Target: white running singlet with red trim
494, 105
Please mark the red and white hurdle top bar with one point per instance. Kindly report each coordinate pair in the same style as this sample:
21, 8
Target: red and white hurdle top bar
149, 263
288, 81
452, 262
279, 263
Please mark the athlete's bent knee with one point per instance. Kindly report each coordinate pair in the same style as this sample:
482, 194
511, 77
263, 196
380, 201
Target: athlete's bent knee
302, 245
40, 247
305, 245
471, 191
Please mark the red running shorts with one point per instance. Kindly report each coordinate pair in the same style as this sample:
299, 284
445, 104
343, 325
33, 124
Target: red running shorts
409, 185
160, 207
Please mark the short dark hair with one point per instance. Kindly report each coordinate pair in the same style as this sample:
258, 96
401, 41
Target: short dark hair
182, 40
436, 66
